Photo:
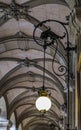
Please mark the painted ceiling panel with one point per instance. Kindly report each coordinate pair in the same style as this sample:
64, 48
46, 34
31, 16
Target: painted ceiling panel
50, 11
8, 65
22, 1
11, 94
6, 1
13, 26
20, 109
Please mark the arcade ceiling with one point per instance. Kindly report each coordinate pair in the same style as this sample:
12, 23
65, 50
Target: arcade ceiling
21, 59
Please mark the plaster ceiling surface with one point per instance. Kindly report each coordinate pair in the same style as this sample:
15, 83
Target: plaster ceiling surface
21, 60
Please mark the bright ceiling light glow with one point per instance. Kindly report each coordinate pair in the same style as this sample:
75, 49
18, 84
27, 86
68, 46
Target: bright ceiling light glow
43, 103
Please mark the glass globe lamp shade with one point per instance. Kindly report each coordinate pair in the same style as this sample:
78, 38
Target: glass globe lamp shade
43, 103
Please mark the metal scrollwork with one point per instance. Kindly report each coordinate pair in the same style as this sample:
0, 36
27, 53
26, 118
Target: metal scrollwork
50, 38
62, 70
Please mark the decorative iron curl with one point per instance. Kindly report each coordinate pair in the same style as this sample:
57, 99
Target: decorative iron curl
53, 39
61, 69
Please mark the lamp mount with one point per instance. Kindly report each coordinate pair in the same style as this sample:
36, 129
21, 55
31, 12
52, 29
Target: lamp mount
50, 38
71, 48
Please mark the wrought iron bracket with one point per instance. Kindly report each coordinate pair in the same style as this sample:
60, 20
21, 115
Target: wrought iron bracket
71, 48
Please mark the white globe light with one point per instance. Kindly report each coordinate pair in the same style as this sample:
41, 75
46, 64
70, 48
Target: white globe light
43, 103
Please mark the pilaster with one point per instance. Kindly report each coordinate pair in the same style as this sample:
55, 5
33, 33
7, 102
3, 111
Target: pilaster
78, 69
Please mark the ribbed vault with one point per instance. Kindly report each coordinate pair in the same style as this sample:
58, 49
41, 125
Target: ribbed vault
21, 60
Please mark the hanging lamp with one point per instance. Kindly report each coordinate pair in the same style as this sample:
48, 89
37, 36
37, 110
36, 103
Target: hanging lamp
43, 102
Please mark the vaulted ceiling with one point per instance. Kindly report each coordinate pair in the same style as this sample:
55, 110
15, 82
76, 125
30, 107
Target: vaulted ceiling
21, 59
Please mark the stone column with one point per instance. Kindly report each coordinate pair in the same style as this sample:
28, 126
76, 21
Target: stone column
9, 125
3, 124
79, 102
78, 14
75, 22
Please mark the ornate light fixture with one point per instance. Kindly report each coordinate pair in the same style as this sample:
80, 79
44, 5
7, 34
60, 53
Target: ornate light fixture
50, 38
43, 102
